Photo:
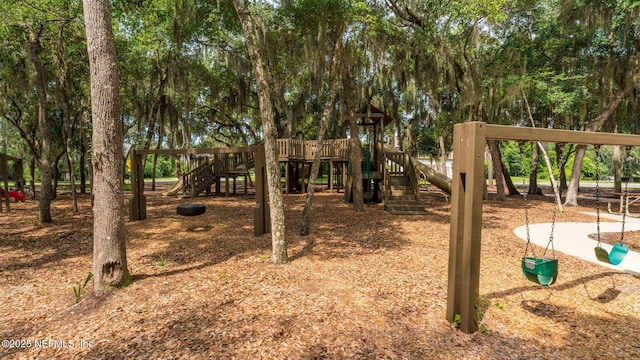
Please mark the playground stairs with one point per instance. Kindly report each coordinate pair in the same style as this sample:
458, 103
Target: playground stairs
401, 198
198, 180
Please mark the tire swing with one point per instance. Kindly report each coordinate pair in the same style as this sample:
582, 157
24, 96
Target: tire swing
540, 270
619, 250
191, 209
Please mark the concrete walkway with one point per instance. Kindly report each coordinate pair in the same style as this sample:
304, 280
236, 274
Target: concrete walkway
572, 238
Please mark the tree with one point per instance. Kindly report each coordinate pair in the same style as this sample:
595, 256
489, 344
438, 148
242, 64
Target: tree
109, 252
326, 115
29, 34
265, 90
355, 161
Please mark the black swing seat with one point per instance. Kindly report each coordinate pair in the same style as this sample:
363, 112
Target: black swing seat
615, 256
543, 271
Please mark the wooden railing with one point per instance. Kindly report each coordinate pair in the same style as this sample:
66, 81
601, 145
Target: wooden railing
305, 150
216, 165
396, 163
198, 179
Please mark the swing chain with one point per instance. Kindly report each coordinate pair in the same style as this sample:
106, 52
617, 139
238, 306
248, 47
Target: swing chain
598, 161
553, 225
625, 172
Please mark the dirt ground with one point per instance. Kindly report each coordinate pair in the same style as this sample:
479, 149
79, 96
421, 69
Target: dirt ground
362, 286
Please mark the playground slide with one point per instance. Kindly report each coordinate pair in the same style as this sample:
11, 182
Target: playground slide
175, 189
13, 194
440, 180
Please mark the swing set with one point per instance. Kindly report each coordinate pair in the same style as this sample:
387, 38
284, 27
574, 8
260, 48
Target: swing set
469, 141
619, 250
540, 270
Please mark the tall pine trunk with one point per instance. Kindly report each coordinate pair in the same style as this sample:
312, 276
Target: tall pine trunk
261, 72
109, 251
46, 153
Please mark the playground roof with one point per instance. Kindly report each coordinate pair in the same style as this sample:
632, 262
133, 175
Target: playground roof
371, 115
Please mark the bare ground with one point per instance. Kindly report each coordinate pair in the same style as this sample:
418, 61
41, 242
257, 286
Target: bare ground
364, 286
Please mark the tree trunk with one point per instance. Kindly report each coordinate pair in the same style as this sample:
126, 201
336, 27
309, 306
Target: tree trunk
571, 198
507, 177
83, 163
443, 157
497, 165
562, 152
32, 175
617, 169
261, 72
56, 174
556, 192
326, 116
72, 175
533, 172
109, 251
355, 161
46, 191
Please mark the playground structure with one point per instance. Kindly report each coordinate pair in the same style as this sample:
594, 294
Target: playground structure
227, 163
11, 173
389, 174
469, 141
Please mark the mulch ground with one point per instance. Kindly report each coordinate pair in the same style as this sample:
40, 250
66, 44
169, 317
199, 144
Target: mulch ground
361, 286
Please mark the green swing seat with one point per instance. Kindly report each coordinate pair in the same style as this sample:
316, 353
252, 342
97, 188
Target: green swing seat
543, 271
617, 253
615, 256
619, 250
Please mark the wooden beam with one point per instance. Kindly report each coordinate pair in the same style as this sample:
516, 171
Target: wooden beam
369, 115
198, 151
502, 132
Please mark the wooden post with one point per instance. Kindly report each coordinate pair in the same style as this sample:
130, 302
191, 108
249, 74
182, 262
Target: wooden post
19, 175
343, 180
138, 202
330, 176
466, 224
226, 171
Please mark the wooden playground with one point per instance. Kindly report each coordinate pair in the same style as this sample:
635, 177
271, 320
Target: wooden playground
390, 176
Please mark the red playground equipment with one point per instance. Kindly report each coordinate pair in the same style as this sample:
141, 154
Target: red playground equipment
15, 194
